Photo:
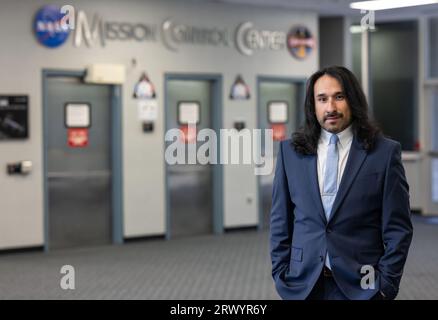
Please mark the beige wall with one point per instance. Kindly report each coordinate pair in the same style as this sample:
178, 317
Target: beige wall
22, 60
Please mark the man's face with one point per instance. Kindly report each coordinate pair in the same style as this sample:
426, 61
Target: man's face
331, 106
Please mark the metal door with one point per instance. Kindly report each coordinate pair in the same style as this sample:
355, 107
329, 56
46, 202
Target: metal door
288, 93
78, 178
190, 186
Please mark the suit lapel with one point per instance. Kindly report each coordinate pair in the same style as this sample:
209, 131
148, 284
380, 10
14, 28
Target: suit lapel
356, 157
314, 186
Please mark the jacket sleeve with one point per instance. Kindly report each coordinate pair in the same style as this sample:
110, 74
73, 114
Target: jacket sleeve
281, 220
396, 225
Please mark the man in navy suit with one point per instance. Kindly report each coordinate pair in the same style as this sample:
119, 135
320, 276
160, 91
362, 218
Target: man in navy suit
340, 219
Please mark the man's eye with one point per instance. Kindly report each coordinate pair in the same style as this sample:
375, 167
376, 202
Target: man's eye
322, 99
340, 97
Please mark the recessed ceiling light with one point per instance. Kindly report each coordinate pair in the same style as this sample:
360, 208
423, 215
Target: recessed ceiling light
360, 29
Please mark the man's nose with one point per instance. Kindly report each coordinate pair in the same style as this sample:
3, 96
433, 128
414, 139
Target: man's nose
331, 105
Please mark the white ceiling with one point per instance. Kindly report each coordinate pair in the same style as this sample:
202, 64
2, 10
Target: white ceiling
337, 7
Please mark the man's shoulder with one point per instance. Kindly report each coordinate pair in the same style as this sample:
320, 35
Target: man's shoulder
288, 149
287, 146
385, 143
286, 142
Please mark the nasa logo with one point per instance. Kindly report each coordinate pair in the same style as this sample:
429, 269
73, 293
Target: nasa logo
48, 26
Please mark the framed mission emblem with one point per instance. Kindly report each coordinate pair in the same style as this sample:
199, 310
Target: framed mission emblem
300, 42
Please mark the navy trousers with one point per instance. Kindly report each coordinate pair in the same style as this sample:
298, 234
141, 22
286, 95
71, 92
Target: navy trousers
327, 289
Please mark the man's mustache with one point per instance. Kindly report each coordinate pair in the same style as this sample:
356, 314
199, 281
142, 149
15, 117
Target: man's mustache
333, 114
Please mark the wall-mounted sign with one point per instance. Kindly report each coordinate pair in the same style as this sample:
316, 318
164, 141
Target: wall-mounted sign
77, 115
188, 134
278, 131
144, 89
249, 39
300, 42
277, 111
188, 112
77, 137
147, 105
99, 31
13, 117
47, 26
103, 31
188, 115
147, 110
174, 34
239, 89
94, 29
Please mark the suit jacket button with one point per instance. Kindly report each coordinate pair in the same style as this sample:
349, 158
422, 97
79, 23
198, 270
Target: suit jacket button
329, 230
321, 258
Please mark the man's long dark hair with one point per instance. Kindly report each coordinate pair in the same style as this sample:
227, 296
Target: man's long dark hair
305, 140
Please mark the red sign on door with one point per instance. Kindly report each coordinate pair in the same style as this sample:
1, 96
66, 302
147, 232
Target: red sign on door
279, 131
188, 133
77, 138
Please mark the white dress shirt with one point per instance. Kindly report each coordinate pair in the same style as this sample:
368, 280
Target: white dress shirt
344, 144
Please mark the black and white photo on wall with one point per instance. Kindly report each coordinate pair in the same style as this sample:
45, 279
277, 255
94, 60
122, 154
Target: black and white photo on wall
14, 117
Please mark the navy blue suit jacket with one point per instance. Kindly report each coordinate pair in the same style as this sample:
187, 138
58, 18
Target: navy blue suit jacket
370, 223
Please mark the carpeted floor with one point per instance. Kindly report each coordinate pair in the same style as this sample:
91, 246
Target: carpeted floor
235, 265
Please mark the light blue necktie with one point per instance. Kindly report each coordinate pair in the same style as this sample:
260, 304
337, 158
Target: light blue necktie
330, 185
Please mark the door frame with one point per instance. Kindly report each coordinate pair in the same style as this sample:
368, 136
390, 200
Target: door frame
300, 118
216, 120
116, 154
